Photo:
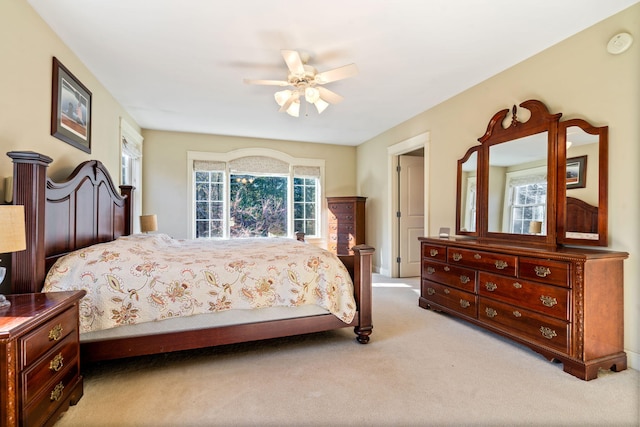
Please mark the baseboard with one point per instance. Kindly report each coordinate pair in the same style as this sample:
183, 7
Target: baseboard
383, 271
633, 360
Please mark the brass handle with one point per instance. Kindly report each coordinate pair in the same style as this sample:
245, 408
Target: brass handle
431, 270
491, 312
542, 271
548, 301
447, 291
56, 363
446, 268
431, 291
464, 279
55, 333
516, 313
547, 332
457, 256
477, 256
517, 285
433, 252
491, 286
56, 393
501, 265
464, 303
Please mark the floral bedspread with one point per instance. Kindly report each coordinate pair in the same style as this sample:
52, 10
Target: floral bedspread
148, 277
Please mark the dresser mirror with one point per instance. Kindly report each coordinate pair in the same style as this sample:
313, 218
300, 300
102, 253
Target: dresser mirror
522, 184
582, 218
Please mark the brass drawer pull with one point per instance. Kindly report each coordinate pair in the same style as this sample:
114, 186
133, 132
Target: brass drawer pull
477, 256
517, 285
464, 279
56, 363
457, 256
57, 392
548, 333
516, 313
447, 291
431, 270
542, 271
464, 303
56, 332
548, 301
501, 265
433, 252
491, 286
491, 312
446, 268
431, 291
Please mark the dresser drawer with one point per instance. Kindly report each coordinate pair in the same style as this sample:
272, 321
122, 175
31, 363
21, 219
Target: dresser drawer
461, 278
46, 402
453, 299
548, 271
542, 329
45, 337
61, 356
342, 207
435, 252
488, 261
545, 299
342, 218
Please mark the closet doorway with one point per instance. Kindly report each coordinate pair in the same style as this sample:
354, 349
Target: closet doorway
407, 213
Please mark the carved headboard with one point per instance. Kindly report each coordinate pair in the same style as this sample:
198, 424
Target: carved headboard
61, 217
581, 216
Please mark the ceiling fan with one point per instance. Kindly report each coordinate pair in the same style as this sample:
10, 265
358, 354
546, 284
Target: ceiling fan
307, 83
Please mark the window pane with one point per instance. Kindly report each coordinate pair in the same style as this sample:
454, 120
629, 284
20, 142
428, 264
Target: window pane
310, 194
258, 205
202, 191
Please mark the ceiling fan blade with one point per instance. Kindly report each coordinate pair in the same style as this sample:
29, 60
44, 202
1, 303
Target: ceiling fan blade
329, 96
266, 82
339, 73
294, 63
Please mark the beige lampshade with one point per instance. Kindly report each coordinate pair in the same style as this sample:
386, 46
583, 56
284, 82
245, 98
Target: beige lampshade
148, 223
535, 227
12, 234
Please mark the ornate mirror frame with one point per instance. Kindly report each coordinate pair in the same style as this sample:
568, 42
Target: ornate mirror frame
561, 206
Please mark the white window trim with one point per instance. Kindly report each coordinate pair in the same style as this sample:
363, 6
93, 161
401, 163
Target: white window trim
135, 140
250, 152
536, 174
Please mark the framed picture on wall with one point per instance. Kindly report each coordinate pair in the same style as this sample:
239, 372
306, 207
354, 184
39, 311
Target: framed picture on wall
70, 109
576, 172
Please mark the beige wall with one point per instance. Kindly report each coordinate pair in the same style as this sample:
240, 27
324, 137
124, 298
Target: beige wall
576, 77
27, 46
165, 170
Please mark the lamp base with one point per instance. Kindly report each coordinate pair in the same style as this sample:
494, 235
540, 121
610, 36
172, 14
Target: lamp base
4, 302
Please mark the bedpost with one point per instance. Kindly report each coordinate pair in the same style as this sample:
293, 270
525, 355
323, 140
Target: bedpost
29, 184
362, 279
127, 192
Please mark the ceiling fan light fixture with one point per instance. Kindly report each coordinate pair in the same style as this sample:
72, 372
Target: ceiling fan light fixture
294, 109
311, 94
282, 96
321, 105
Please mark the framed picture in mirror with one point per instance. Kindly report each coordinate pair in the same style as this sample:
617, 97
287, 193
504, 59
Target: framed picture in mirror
576, 172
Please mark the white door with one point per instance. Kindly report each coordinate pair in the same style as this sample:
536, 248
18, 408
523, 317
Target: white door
411, 217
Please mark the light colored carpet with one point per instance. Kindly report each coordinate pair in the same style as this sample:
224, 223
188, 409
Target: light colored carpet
420, 368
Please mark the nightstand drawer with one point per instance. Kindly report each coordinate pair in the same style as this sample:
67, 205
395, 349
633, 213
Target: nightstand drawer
48, 335
48, 400
50, 366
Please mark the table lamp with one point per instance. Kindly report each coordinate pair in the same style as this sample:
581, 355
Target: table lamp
12, 237
148, 223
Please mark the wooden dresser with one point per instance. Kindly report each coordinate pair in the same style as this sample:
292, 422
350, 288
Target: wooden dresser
346, 223
39, 358
566, 304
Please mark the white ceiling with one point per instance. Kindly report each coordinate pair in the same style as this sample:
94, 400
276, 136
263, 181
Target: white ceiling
179, 64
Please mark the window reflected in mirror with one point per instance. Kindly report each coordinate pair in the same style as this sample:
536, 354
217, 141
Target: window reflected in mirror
468, 193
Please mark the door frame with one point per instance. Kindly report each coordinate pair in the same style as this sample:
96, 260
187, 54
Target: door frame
419, 141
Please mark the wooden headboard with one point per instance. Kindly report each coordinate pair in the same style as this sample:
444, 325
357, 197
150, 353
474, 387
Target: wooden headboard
61, 217
581, 216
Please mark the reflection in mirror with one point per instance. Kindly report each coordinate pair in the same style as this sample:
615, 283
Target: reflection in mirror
468, 193
517, 186
582, 184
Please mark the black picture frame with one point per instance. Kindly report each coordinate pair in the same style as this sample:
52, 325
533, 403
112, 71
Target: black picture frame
70, 108
577, 172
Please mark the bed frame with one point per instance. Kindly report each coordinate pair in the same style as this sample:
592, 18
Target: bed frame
86, 209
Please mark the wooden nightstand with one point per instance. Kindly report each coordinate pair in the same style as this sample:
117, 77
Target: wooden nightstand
39, 358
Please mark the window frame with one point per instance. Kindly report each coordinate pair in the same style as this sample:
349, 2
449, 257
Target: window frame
518, 178
228, 157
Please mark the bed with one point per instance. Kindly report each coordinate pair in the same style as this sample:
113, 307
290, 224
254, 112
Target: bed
86, 210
